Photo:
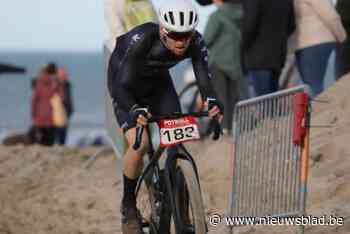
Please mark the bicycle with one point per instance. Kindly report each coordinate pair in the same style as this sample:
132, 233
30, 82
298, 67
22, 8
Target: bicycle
173, 194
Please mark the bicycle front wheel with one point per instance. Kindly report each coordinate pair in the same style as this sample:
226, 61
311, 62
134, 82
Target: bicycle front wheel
188, 200
146, 204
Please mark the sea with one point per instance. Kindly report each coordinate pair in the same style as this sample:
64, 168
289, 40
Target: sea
87, 74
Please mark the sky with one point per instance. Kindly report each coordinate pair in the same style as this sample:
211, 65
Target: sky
58, 25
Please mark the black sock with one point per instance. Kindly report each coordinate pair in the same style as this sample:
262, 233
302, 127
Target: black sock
129, 198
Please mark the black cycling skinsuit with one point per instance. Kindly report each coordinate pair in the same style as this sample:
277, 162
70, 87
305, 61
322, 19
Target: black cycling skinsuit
138, 73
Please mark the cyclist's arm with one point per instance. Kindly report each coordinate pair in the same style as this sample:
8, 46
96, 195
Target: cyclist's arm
125, 75
200, 67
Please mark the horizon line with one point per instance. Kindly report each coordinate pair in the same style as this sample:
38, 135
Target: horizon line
63, 50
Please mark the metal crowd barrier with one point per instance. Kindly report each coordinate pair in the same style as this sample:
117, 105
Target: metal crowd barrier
269, 168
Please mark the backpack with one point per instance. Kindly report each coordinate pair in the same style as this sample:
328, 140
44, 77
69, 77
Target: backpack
138, 12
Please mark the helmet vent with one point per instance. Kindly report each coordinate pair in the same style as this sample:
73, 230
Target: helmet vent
191, 18
178, 16
171, 15
182, 18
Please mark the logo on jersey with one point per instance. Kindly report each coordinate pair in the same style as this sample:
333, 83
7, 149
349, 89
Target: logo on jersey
136, 37
205, 53
199, 40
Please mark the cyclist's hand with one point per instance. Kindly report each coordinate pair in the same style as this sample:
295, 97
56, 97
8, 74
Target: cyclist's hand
215, 109
142, 120
216, 113
140, 116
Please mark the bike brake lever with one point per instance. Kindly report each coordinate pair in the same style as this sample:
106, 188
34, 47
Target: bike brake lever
138, 139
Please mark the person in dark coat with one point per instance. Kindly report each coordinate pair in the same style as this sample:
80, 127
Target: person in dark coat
61, 132
267, 25
343, 49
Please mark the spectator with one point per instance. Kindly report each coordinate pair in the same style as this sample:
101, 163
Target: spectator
61, 131
267, 25
318, 30
51, 69
42, 114
222, 37
343, 50
123, 15
115, 18
59, 112
138, 12
32, 134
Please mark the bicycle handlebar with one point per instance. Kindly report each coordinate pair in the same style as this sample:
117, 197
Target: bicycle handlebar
176, 115
138, 139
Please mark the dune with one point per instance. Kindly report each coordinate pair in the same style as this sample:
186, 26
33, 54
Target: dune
50, 190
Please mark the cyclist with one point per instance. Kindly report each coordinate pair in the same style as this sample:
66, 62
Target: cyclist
138, 76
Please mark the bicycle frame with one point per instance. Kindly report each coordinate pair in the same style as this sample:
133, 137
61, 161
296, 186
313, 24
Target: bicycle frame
169, 172
162, 214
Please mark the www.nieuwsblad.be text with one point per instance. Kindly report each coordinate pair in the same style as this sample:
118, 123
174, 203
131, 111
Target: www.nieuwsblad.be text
325, 220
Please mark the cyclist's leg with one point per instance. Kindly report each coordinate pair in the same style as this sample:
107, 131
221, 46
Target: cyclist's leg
132, 165
132, 162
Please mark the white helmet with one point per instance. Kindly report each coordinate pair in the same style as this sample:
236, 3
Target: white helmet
178, 16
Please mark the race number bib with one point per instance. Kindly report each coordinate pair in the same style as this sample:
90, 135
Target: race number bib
175, 131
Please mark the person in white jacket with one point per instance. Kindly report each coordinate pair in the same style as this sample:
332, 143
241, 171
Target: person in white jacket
115, 18
318, 30
123, 15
